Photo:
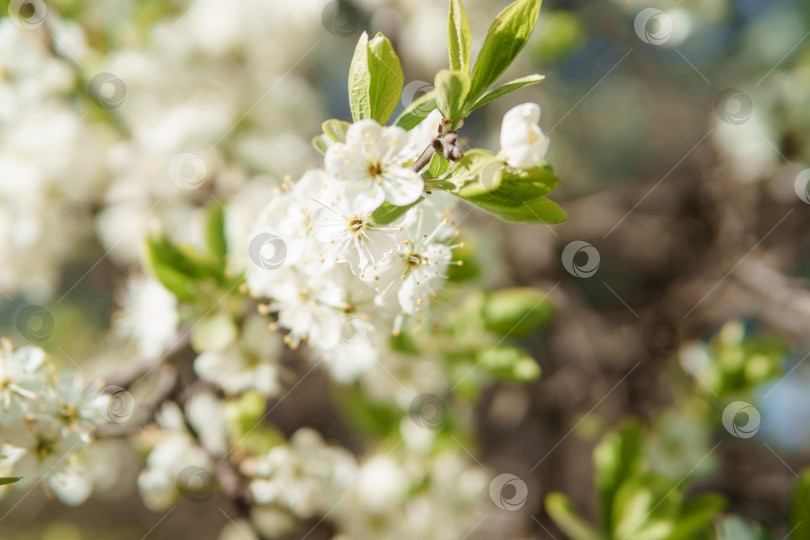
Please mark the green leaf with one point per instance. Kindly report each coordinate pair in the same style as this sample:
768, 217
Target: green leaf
646, 507
321, 143
560, 510
504, 185
512, 195
387, 212
459, 37
452, 88
800, 506
616, 459
508, 363
372, 418
540, 210
501, 91
470, 166
697, 516
360, 81
438, 166
386, 78
417, 111
336, 129
6, 480
215, 234
178, 268
441, 185
517, 312
506, 37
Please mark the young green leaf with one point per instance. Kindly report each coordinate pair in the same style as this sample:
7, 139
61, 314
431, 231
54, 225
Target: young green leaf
437, 183
512, 195
387, 212
697, 515
438, 166
417, 111
540, 210
451, 93
506, 37
360, 81
386, 78
6, 480
469, 167
459, 37
559, 508
508, 186
321, 143
517, 312
508, 363
215, 234
616, 459
160, 261
501, 91
335, 129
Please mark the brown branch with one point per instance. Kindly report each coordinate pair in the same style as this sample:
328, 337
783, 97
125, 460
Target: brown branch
446, 144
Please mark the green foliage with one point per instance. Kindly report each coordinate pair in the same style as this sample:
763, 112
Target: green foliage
375, 79
617, 458
500, 91
511, 194
635, 503
736, 362
372, 418
417, 111
246, 428
438, 166
517, 312
459, 37
452, 88
387, 212
505, 38
509, 363
188, 273
321, 143
335, 129
6, 480
215, 234
800, 507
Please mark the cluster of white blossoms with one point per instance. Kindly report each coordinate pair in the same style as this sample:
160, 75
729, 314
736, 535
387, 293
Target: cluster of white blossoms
337, 279
396, 495
47, 420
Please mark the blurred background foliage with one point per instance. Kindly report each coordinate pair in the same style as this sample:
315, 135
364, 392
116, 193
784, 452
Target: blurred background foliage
700, 300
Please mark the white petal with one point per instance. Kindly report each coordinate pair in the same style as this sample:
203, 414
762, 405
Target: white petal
402, 186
